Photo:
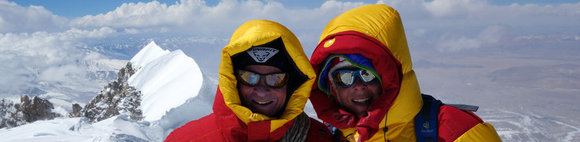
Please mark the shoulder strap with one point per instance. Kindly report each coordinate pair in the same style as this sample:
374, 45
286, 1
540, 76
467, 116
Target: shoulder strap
336, 133
464, 107
426, 120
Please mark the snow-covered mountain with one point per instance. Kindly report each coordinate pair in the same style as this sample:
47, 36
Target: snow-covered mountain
166, 79
173, 91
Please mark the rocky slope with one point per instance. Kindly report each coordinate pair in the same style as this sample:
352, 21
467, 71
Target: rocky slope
28, 110
116, 98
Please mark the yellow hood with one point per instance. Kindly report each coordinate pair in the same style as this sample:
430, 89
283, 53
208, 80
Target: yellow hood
255, 33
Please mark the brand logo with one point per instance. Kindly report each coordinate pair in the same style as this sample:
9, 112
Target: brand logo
262, 54
329, 43
426, 125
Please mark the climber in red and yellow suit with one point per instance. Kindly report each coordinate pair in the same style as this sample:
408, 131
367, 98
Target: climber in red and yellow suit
375, 32
234, 118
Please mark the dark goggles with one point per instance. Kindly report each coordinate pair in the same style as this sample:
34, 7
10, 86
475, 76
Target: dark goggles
346, 77
274, 80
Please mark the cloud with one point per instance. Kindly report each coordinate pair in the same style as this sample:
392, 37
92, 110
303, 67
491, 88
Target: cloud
43, 59
557, 37
452, 8
35, 43
15, 18
489, 36
195, 17
50, 50
135, 15
457, 25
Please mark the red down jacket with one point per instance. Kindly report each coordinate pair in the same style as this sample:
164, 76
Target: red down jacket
230, 120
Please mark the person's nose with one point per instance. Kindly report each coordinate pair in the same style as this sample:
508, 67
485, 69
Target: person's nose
261, 88
358, 84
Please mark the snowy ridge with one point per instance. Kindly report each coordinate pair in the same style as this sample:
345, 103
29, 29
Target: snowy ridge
166, 82
149, 53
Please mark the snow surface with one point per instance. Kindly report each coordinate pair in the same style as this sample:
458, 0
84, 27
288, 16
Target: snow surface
118, 128
149, 53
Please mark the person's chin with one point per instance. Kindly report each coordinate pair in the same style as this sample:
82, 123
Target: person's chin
268, 109
360, 108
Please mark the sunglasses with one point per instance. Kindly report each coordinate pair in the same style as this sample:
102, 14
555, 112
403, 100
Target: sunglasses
274, 80
346, 77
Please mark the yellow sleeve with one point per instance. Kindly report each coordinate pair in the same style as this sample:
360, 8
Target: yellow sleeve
482, 132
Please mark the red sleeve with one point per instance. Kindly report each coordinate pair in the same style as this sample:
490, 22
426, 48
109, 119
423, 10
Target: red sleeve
454, 122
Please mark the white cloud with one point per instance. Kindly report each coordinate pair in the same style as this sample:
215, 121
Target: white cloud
478, 13
34, 60
15, 18
458, 44
546, 37
52, 50
489, 36
456, 25
33, 40
135, 15
194, 16
452, 8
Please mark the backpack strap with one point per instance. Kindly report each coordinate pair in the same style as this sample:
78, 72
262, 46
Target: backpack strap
464, 107
336, 133
426, 121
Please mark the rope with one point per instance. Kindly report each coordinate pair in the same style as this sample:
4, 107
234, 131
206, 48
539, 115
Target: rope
299, 130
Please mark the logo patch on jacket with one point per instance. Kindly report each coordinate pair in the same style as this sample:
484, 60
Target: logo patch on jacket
262, 54
329, 43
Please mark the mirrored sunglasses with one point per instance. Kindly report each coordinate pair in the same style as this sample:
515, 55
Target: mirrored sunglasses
346, 77
274, 80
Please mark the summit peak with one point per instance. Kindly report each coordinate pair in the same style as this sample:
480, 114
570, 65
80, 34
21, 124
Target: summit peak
149, 53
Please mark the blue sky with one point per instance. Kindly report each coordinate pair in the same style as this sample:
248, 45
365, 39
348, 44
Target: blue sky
77, 8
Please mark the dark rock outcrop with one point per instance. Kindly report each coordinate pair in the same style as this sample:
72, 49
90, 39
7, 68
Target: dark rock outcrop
116, 98
27, 111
